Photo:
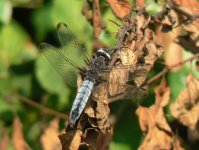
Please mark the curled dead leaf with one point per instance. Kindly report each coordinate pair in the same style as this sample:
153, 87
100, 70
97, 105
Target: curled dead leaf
117, 78
98, 110
119, 7
190, 40
97, 140
49, 140
193, 135
19, 142
186, 108
70, 140
153, 122
190, 6
127, 57
104, 141
4, 141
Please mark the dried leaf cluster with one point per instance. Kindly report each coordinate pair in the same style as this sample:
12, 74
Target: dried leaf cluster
48, 140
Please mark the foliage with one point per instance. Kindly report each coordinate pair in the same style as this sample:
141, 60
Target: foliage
34, 101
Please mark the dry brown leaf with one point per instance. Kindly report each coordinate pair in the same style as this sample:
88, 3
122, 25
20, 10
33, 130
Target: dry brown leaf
17, 137
175, 40
71, 140
190, 6
173, 51
176, 145
97, 140
140, 3
139, 51
49, 139
190, 41
143, 46
98, 110
90, 138
193, 135
104, 140
127, 57
186, 106
4, 141
119, 7
142, 23
193, 31
153, 123
120, 77
102, 116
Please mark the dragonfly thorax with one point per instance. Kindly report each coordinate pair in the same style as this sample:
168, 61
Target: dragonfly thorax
100, 61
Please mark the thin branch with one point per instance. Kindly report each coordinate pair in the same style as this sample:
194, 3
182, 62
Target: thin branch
42, 108
175, 7
167, 68
182, 12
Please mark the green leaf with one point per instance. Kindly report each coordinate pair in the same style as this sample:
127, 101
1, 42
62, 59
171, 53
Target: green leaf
63, 97
119, 146
7, 103
191, 66
74, 19
152, 7
4, 106
42, 27
12, 39
177, 80
6, 86
56, 12
33, 131
127, 126
52, 81
111, 27
5, 11
22, 83
48, 77
15, 47
108, 37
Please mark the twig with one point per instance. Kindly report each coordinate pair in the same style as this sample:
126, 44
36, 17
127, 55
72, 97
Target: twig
117, 24
175, 7
42, 108
167, 68
182, 12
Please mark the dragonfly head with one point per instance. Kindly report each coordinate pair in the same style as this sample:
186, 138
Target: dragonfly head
103, 52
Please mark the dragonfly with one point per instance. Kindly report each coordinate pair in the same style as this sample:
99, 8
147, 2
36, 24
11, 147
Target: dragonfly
71, 60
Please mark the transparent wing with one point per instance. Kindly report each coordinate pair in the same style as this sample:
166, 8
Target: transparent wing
132, 70
71, 48
129, 92
123, 82
114, 92
62, 64
115, 85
